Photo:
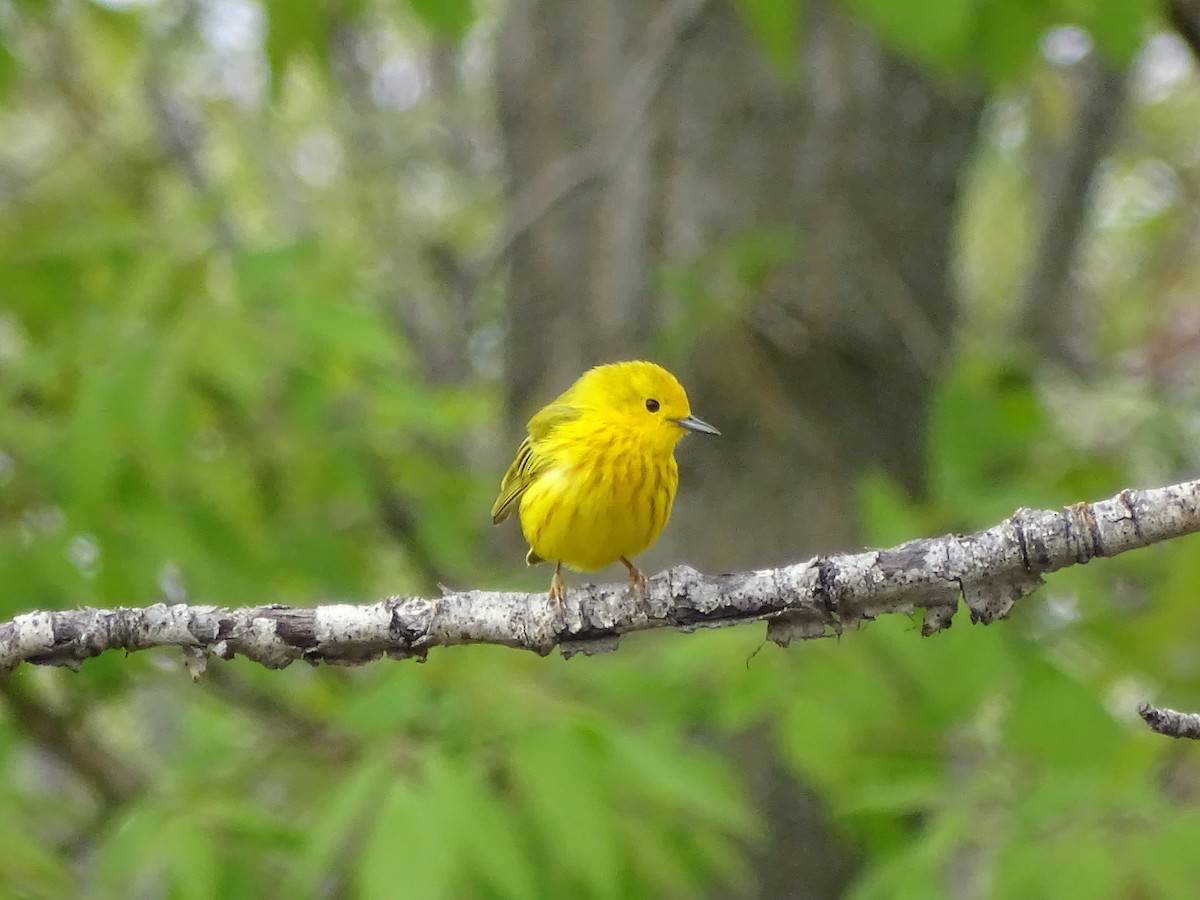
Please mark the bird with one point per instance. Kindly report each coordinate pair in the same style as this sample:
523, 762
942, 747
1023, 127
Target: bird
595, 478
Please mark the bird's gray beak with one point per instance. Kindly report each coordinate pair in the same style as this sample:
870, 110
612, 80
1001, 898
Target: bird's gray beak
691, 423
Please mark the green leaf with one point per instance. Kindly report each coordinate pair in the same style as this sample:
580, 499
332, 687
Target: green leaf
713, 852
29, 867
915, 871
1119, 26
541, 762
1038, 726
9, 68
1007, 35
386, 704
1074, 859
449, 19
409, 851
32, 7
188, 844
985, 424
293, 30
673, 874
128, 853
482, 822
690, 784
1167, 852
776, 26
888, 515
817, 738
117, 35
894, 795
937, 32
332, 832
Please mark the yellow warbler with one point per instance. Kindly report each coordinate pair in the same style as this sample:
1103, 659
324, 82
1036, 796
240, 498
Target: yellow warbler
596, 476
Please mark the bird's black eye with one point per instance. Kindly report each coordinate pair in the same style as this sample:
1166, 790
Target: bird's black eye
652, 405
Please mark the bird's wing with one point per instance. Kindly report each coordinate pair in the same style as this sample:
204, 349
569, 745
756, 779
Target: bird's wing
530, 463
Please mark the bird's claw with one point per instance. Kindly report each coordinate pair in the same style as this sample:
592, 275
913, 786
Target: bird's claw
558, 591
637, 581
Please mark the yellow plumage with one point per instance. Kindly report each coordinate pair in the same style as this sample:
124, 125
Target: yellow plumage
595, 479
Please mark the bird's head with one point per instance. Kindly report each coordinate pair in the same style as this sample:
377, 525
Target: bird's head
642, 398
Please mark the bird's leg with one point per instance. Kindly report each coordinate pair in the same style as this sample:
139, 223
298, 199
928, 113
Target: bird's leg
558, 589
636, 578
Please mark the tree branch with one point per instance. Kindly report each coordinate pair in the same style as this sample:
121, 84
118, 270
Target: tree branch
180, 139
1046, 305
632, 99
989, 569
1171, 723
113, 780
1184, 15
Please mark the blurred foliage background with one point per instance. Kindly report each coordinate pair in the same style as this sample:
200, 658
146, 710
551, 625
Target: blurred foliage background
280, 282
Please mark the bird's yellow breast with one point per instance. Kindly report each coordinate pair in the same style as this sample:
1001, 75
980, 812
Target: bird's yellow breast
600, 500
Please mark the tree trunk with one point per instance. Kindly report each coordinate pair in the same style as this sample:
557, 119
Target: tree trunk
648, 134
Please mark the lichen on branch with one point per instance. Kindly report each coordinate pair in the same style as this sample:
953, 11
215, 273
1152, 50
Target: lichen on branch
988, 570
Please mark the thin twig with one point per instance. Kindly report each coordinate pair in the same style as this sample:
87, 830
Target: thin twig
400, 520
1046, 304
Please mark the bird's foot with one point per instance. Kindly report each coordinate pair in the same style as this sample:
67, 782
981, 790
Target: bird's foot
558, 588
637, 580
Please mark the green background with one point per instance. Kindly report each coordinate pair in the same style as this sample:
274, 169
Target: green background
204, 397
